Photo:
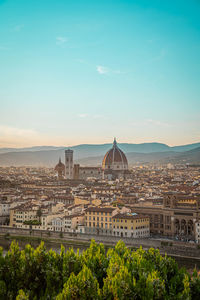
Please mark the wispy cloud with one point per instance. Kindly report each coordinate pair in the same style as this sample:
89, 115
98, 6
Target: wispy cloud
105, 70
91, 116
17, 28
82, 115
102, 70
148, 122
158, 123
60, 40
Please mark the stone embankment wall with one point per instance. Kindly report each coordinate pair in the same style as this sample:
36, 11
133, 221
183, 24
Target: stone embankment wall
146, 243
171, 248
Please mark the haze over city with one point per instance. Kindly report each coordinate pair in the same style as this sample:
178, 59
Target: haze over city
77, 72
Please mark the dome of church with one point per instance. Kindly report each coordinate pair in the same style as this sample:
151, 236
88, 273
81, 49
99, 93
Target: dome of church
60, 166
115, 159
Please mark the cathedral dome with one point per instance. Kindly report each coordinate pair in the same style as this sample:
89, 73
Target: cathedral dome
60, 166
115, 159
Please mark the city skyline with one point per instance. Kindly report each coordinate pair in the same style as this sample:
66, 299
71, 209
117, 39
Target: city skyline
75, 72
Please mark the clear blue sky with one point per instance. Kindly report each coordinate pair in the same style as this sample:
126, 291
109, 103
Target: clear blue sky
85, 71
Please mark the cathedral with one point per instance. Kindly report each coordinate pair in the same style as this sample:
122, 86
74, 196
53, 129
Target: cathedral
114, 166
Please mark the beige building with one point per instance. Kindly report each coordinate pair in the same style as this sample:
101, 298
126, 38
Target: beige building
130, 225
22, 213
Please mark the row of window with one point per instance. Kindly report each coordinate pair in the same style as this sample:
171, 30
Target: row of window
89, 224
97, 218
139, 234
125, 227
137, 221
106, 214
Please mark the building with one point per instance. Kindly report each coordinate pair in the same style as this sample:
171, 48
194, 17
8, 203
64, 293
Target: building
176, 217
86, 172
60, 169
23, 213
197, 231
115, 164
98, 220
130, 225
69, 166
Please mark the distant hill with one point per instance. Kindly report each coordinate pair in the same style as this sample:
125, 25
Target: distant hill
93, 154
86, 150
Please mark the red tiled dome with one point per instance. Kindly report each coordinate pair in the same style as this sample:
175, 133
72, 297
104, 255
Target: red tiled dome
115, 159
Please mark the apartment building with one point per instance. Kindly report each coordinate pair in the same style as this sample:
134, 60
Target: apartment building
22, 213
98, 220
130, 225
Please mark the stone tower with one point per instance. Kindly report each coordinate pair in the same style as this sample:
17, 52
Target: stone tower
69, 164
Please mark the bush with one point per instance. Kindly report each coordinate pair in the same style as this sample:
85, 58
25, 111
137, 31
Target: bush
121, 273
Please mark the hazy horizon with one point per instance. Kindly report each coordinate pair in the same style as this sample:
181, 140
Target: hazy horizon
81, 72
119, 142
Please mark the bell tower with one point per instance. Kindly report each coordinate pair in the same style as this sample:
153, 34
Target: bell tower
69, 164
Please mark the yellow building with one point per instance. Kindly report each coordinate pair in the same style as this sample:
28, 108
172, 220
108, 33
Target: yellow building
98, 220
130, 225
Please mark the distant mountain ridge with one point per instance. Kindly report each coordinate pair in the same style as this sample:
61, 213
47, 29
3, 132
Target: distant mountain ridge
91, 155
85, 149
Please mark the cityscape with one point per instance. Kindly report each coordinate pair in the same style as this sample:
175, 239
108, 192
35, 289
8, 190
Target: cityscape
112, 200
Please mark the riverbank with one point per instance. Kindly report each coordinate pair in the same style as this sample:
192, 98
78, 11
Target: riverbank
55, 244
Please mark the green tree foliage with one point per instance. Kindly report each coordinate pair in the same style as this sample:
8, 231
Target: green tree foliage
83, 286
121, 273
32, 222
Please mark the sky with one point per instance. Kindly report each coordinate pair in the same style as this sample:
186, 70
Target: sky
85, 71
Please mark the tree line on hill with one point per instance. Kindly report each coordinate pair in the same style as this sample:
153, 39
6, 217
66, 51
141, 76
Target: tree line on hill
119, 273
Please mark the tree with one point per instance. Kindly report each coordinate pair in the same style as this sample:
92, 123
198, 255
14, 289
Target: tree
83, 286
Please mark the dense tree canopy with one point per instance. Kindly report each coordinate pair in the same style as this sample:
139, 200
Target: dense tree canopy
121, 273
